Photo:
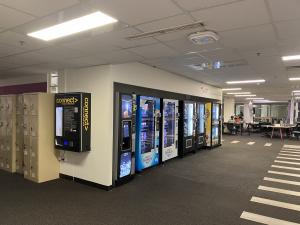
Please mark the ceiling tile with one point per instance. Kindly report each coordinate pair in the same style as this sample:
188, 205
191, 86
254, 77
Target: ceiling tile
137, 11
249, 38
21, 41
192, 5
110, 41
11, 18
6, 50
284, 10
24, 59
39, 7
165, 23
288, 30
185, 46
122, 56
233, 16
154, 51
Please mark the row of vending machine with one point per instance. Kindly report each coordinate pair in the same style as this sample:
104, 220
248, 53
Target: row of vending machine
153, 130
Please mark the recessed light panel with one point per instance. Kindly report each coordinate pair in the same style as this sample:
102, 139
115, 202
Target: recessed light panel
231, 89
245, 95
290, 57
294, 78
238, 93
91, 21
246, 81
253, 98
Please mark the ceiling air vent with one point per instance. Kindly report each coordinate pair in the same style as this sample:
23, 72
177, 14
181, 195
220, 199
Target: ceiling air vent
190, 26
203, 38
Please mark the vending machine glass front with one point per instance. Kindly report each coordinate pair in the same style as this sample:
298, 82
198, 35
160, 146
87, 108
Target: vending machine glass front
169, 124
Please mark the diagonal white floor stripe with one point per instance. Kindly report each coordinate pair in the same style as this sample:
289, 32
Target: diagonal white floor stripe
283, 173
281, 157
286, 162
289, 154
291, 146
251, 143
286, 167
291, 149
265, 219
282, 181
279, 190
279, 204
234, 142
268, 145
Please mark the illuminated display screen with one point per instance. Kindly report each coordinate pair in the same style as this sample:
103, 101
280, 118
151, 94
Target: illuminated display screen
215, 111
169, 124
59, 121
188, 119
215, 133
126, 106
125, 164
201, 118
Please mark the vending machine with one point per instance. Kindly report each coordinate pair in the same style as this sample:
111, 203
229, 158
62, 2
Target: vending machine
187, 127
216, 125
208, 120
148, 126
200, 133
170, 129
125, 158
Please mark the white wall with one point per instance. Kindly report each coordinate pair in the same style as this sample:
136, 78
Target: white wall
96, 165
229, 104
23, 80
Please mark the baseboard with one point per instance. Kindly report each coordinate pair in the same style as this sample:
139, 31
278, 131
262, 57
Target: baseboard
81, 181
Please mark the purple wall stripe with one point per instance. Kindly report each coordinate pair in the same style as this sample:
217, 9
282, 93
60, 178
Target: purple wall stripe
23, 88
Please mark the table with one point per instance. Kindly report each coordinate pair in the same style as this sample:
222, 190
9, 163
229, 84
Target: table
281, 127
248, 125
240, 125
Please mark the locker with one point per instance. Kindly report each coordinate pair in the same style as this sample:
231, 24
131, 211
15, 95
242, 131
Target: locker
19, 105
40, 160
34, 105
26, 126
34, 126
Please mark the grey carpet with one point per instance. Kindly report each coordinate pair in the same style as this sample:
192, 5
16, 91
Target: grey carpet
211, 187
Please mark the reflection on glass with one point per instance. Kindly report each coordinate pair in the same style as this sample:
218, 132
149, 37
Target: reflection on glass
59, 121
188, 119
147, 126
201, 118
215, 133
215, 115
126, 106
125, 164
169, 124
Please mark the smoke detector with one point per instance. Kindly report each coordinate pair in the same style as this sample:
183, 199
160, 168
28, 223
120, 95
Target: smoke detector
203, 38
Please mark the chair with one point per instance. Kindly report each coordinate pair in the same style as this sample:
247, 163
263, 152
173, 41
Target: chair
232, 128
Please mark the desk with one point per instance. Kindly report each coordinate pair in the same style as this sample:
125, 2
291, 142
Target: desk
239, 126
283, 127
251, 125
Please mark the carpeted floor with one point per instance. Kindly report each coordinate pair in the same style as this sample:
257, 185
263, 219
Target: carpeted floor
211, 187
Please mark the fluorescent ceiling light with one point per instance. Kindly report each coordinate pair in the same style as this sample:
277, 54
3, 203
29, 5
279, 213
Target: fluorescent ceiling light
294, 78
245, 81
96, 19
231, 89
255, 98
245, 95
238, 93
290, 57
